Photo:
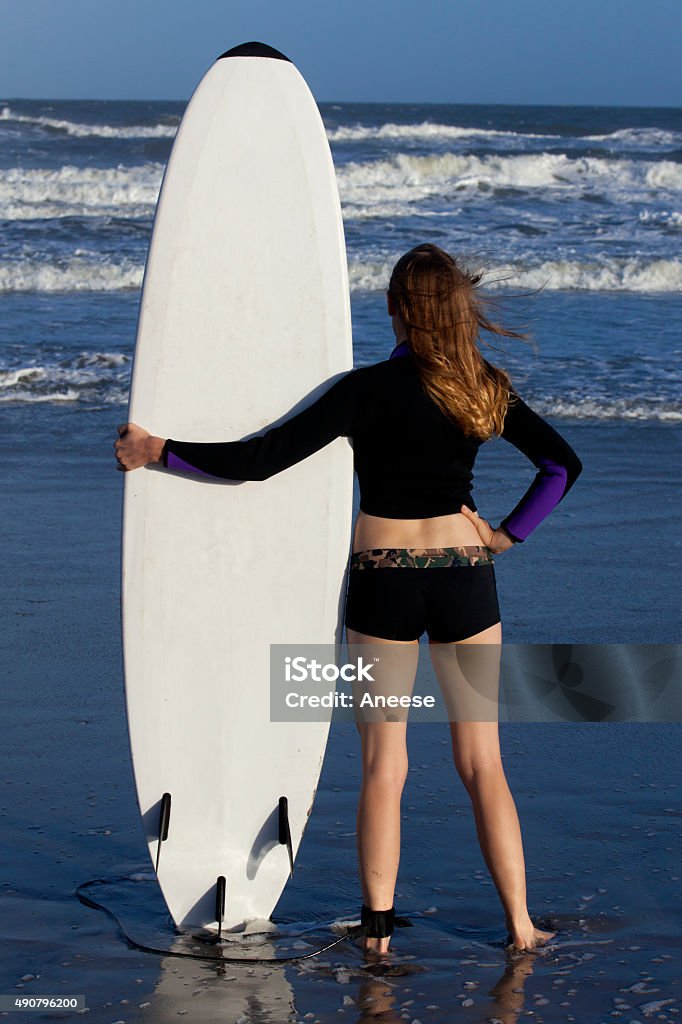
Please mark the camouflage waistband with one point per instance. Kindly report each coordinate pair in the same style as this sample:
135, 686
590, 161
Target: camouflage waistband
421, 558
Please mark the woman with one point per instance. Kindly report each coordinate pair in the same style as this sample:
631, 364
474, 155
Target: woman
417, 420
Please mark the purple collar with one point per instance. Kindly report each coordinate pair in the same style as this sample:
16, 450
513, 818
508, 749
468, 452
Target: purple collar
403, 349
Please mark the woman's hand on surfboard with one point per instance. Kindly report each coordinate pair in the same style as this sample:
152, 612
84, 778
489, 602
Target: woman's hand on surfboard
496, 540
136, 447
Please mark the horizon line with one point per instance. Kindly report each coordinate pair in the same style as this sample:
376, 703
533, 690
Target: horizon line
361, 103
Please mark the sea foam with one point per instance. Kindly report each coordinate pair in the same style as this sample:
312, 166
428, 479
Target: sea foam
428, 131
409, 177
79, 274
83, 274
99, 377
70, 191
599, 275
391, 187
103, 131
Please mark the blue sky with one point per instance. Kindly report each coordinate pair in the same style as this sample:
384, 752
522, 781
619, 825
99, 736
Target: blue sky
605, 52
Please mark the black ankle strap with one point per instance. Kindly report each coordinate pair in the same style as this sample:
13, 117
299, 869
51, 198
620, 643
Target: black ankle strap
377, 924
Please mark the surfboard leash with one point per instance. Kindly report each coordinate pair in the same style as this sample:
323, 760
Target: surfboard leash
353, 933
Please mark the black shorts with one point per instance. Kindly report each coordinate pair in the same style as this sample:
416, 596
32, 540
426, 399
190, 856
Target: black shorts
398, 593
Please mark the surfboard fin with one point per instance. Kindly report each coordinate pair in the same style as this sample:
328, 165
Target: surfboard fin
220, 902
164, 819
285, 832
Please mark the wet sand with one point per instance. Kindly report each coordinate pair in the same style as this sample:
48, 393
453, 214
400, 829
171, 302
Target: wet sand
599, 803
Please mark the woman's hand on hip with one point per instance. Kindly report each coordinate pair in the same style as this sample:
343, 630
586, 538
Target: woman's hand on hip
136, 447
496, 540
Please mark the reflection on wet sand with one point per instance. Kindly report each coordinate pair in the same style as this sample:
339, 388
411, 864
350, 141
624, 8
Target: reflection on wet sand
223, 991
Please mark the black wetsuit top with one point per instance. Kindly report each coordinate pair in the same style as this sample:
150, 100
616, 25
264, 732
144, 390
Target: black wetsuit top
411, 460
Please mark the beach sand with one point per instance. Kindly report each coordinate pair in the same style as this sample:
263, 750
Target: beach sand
599, 803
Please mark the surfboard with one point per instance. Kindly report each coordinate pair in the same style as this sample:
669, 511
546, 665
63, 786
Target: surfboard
244, 320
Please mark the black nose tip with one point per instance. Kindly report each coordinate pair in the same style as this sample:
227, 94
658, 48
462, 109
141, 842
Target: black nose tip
253, 50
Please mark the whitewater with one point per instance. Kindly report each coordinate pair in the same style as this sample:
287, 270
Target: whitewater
557, 206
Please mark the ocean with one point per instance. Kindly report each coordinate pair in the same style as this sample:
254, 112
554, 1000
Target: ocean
575, 215
585, 204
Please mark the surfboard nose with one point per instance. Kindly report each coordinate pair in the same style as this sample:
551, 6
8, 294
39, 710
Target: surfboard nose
253, 50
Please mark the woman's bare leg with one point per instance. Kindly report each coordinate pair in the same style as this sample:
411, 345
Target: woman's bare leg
477, 757
384, 770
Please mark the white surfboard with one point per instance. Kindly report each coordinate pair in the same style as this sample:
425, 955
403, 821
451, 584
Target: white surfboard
244, 320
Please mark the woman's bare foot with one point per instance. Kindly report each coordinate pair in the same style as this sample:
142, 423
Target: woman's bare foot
525, 935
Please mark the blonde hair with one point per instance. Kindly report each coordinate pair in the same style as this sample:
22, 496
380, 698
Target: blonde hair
443, 313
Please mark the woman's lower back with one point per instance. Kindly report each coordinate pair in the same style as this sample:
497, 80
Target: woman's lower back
438, 531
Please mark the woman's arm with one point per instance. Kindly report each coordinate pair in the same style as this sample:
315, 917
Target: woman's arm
558, 468
257, 458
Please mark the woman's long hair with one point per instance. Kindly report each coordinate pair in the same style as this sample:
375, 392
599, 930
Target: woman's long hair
443, 313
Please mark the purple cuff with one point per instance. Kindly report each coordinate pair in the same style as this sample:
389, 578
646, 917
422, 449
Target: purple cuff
544, 494
172, 461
